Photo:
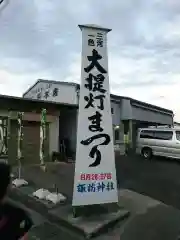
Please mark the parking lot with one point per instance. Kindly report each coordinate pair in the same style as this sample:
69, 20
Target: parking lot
158, 178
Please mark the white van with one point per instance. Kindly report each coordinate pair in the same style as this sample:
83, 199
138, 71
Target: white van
158, 142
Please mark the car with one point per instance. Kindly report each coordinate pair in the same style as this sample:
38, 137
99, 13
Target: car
154, 141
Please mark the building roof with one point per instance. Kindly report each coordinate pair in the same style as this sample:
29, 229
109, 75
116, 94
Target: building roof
49, 81
113, 96
19, 103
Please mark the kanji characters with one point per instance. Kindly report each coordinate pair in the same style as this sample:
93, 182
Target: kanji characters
81, 188
95, 126
95, 151
55, 92
91, 99
95, 83
94, 62
95, 187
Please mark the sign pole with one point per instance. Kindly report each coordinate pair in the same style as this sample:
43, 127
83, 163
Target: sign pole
43, 136
95, 173
19, 142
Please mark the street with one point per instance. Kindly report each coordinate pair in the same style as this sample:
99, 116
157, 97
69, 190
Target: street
158, 178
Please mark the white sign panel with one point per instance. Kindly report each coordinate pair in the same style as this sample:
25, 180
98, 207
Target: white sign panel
95, 173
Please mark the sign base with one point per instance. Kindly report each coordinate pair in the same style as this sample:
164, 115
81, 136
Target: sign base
88, 222
96, 209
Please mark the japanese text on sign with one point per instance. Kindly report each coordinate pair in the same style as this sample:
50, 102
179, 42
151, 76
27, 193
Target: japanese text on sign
95, 40
95, 187
95, 174
95, 84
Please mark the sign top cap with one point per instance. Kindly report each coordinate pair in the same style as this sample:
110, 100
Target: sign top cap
94, 26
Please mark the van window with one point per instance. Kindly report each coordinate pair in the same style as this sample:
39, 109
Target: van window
147, 134
163, 135
178, 135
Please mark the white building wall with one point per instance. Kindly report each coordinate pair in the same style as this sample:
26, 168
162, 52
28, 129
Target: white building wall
116, 113
53, 91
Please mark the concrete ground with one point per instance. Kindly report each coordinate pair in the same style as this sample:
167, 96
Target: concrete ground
159, 178
150, 219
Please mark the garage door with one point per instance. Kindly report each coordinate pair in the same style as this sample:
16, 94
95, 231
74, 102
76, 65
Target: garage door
30, 144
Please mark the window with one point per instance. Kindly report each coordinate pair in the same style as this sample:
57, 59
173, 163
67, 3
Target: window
147, 134
178, 135
161, 135
112, 111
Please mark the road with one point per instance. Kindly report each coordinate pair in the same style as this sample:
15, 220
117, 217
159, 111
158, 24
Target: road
158, 178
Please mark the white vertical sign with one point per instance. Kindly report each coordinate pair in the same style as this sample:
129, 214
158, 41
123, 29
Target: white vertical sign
95, 173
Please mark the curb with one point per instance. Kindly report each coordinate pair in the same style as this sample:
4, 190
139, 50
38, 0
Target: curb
18, 196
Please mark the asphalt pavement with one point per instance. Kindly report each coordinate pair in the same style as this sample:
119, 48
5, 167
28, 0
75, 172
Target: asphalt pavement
159, 179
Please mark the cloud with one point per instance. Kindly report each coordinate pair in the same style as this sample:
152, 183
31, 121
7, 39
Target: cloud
40, 39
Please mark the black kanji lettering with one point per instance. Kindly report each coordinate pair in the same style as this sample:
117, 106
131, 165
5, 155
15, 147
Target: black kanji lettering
95, 151
96, 122
97, 84
101, 99
91, 42
94, 62
89, 85
90, 101
55, 92
39, 95
99, 42
46, 94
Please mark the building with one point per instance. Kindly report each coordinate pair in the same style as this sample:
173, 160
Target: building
176, 124
9, 107
127, 114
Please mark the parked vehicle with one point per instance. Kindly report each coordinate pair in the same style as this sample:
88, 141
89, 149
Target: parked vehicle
156, 141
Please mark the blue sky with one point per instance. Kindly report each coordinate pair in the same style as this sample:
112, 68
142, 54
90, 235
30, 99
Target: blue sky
40, 39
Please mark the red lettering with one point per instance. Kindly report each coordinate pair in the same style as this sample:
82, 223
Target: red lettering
102, 176
88, 176
109, 176
94, 176
83, 176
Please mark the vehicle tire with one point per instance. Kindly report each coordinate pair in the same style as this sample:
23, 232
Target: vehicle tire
147, 153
